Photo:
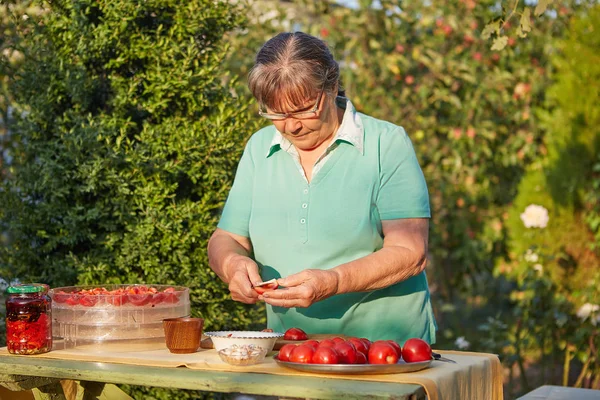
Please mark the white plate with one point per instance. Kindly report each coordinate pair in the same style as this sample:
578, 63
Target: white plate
355, 369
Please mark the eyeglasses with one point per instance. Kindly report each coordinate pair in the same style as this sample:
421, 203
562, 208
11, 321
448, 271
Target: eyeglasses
312, 113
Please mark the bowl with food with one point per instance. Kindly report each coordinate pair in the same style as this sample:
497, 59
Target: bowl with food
225, 339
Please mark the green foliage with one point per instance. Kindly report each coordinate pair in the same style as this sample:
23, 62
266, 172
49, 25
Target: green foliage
127, 141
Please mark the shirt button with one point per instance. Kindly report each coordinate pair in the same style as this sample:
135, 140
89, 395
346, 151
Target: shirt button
302, 221
304, 205
305, 191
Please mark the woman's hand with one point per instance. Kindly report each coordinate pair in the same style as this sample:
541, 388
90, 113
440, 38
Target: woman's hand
242, 272
303, 289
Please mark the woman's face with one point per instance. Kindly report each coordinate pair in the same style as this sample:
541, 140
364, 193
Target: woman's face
308, 134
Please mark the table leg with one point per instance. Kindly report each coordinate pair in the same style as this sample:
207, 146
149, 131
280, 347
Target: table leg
51, 391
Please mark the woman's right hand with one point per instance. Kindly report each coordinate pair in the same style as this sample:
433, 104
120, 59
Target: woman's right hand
242, 272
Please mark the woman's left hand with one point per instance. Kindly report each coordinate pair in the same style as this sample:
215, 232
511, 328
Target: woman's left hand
303, 289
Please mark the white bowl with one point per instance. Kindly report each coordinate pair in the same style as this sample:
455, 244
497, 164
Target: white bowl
224, 339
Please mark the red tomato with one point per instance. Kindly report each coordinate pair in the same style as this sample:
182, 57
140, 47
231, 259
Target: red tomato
326, 343
295, 334
60, 296
346, 352
88, 300
313, 343
170, 297
359, 345
117, 299
139, 299
381, 352
338, 339
396, 346
367, 342
325, 355
285, 351
361, 358
416, 350
272, 285
157, 298
302, 354
73, 299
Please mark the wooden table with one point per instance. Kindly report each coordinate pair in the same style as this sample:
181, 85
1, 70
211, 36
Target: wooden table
44, 375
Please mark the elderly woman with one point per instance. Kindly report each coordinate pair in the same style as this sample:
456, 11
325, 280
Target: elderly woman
330, 202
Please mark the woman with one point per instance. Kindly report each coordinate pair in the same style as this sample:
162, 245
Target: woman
330, 202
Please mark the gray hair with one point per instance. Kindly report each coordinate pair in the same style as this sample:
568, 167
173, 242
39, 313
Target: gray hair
292, 67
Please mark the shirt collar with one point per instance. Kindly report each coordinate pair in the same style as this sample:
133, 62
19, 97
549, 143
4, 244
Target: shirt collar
350, 130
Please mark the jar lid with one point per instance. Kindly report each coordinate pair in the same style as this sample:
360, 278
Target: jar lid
22, 289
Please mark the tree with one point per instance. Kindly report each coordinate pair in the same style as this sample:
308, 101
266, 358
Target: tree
126, 144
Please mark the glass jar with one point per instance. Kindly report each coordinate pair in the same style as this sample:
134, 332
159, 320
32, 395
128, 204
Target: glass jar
28, 319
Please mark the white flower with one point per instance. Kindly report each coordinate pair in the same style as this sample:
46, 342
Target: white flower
530, 256
539, 268
535, 216
461, 343
587, 310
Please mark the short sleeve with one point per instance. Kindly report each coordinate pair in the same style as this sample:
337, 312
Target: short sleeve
402, 190
236, 213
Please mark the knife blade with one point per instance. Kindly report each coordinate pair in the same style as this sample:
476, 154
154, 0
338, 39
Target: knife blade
439, 357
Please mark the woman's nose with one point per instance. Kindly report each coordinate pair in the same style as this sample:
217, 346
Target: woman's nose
292, 126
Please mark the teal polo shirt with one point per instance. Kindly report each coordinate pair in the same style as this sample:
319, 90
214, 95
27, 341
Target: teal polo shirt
369, 174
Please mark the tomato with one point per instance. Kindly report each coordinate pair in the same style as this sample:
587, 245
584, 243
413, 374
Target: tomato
73, 299
367, 342
381, 352
396, 346
325, 355
302, 354
346, 352
60, 296
313, 343
338, 339
361, 358
139, 299
285, 351
268, 285
157, 298
359, 345
326, 343
117, 299
169, 297
416, 350
295, 334
88, 300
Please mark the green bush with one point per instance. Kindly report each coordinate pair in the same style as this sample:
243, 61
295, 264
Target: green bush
127, 141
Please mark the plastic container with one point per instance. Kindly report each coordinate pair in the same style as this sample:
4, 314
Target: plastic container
245, 354
28, 319
115, 317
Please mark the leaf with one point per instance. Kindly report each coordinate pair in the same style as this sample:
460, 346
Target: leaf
541, 6
490, 28
525, 24
499, 43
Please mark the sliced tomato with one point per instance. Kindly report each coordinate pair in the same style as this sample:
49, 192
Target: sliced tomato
88, 300
60, 296
139, 299
73, 299
157, 298
117, 299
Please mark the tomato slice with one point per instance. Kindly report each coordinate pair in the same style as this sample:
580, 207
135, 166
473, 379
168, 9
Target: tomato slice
73, 299
157, 298
88, 300
140, 299
61, 297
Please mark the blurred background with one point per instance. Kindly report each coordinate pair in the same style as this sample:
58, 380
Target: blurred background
121, 124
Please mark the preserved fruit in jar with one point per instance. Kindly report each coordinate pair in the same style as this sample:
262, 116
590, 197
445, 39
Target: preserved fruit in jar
28, 319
